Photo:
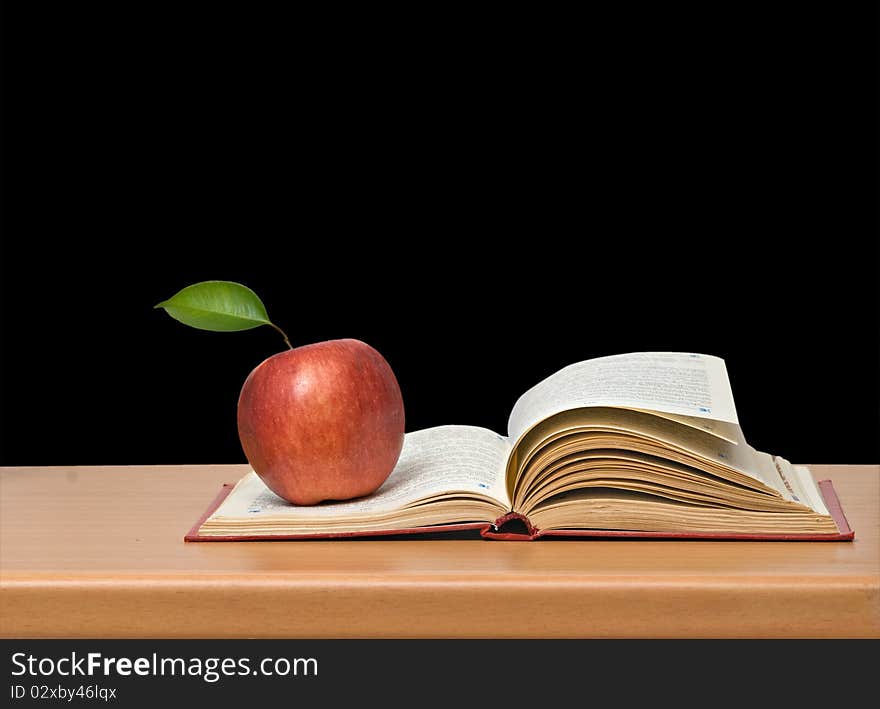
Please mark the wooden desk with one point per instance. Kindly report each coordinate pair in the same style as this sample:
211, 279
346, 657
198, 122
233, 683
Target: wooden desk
98, 552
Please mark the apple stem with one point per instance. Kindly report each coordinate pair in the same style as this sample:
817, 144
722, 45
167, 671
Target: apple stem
282, 334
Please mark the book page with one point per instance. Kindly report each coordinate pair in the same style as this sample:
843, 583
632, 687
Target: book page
808, 488
434, 461
673, 382
722, 429
620, 428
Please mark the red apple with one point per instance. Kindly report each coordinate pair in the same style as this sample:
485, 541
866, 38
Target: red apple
322, 422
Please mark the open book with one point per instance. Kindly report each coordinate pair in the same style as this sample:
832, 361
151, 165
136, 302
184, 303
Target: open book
644, 444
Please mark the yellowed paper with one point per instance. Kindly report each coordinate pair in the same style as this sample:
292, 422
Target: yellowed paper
674, 382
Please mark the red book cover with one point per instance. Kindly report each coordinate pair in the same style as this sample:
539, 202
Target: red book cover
529, 533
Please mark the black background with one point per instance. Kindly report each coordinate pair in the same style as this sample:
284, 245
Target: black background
483, 199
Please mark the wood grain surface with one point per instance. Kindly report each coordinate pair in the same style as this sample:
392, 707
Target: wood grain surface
98, 552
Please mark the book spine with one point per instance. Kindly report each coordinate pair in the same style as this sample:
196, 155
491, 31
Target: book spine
512, 527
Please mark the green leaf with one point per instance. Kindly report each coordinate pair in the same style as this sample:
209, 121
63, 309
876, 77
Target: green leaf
221, 306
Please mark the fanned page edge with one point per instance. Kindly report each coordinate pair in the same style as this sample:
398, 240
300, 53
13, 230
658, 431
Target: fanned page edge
495, 532
845, 533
